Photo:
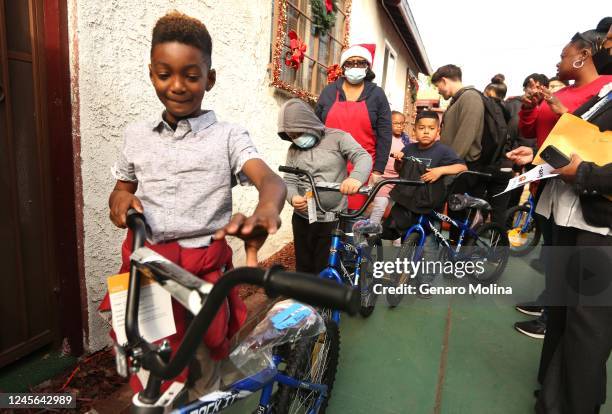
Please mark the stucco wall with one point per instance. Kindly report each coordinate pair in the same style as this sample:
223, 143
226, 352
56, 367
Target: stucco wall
364, 13
109, 69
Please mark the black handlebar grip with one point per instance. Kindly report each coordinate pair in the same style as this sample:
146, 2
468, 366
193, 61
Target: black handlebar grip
290, 170
313, 290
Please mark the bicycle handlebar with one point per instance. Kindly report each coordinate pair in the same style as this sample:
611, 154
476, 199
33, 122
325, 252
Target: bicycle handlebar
303, 287
377, 187
482, 174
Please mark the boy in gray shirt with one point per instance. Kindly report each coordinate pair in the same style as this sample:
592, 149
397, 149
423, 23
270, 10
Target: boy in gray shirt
324, 153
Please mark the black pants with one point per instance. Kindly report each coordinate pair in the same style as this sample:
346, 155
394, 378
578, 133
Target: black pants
312, 242
578, 339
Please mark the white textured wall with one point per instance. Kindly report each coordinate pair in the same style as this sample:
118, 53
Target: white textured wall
370, 24
113, 86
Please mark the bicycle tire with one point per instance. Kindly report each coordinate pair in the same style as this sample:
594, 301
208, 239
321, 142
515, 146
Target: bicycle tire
300, 366
366, 279
518, 251
407, 250
500, 234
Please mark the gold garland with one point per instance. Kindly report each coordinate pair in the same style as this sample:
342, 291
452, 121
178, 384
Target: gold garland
278, 48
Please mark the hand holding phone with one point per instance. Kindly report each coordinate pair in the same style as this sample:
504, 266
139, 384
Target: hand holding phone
554, 157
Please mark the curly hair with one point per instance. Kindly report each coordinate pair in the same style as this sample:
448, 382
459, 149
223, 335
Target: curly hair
178, 27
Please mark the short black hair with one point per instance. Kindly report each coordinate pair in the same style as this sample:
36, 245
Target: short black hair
604, 25
447, 71
538, 77
591, 40
178, 27
428, 115
397, 113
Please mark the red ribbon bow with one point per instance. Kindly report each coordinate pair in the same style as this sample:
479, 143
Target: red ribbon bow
333, 72
295, 58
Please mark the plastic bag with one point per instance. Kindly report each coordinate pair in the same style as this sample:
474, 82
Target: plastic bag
363, 228
287, 321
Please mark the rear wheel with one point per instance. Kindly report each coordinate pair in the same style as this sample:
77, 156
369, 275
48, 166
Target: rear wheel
491, 248
396, 280
523, 231
372, 254
313, 360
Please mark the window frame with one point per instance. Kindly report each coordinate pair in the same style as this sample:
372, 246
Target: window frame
279, 30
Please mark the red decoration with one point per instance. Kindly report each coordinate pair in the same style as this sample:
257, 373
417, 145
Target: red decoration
329, 6
295, 58
333, 72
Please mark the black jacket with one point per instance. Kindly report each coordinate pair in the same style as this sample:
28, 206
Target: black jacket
378, 109
593, 180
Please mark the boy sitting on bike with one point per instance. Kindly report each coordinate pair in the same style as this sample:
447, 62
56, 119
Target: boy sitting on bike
178, 172
324, 153
429, 160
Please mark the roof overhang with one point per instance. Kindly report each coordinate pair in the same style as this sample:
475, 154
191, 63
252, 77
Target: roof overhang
400, 15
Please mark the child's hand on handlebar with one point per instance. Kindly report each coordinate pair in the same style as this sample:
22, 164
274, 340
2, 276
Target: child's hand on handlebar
253, 230
397, 155
350, 186
299, 203
120, 202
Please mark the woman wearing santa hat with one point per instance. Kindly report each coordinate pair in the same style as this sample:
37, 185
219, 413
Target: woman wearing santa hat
358, 106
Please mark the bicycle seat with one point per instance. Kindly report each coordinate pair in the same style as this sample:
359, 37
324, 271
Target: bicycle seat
457, 202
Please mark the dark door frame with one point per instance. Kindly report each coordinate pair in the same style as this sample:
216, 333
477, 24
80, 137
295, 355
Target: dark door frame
64, 164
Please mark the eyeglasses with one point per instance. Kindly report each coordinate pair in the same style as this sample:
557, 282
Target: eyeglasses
355, 64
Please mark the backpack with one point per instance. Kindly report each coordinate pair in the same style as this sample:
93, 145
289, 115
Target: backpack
495, 132
419, 199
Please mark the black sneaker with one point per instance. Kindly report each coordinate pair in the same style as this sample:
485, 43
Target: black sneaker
534, 329
537, 265
529, 308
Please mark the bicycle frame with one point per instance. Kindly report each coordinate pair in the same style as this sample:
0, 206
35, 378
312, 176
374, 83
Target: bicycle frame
531, 204
426, 219
263, 381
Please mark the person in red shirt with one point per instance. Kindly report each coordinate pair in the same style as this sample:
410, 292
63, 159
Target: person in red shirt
541, 108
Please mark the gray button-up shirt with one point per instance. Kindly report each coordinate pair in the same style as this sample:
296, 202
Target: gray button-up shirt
185, 176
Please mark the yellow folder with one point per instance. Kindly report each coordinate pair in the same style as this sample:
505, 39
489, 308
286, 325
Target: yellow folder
572, 134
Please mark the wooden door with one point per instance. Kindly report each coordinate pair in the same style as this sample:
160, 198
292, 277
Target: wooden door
28, 280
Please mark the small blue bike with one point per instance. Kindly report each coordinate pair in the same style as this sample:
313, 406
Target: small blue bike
302, 347
523, 230
476, 241
351, 262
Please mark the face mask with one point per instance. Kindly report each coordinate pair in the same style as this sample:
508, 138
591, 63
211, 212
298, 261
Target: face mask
305, 141
355, 75
603, 62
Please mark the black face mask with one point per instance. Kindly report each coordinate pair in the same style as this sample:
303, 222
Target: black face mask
603, 62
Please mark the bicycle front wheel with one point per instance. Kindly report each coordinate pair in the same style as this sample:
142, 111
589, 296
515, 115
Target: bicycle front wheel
397, 279
313, 360
491, 247
374, 253
523, 231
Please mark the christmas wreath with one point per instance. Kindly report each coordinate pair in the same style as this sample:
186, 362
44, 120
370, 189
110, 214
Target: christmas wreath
323, 16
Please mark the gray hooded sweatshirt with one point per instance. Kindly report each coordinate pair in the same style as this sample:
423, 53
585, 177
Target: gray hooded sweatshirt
326, 161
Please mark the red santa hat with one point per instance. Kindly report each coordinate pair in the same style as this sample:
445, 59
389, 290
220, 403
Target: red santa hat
364, 50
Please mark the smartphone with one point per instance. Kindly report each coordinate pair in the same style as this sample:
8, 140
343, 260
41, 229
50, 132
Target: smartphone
554, 157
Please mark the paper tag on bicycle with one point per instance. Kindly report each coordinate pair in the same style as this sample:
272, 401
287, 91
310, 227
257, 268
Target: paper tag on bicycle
291, 316
312, 207
329, 216
155, 317
540, 172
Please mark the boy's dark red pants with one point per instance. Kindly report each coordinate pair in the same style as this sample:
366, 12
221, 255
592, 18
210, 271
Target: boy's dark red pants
206, 263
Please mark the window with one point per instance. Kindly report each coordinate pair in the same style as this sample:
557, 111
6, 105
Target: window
322, 50
388, 76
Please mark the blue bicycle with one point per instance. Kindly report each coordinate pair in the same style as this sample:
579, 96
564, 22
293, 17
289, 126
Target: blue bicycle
523, 230
304, 384
351, 262
476, 241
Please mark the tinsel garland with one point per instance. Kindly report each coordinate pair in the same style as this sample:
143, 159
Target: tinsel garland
277, 50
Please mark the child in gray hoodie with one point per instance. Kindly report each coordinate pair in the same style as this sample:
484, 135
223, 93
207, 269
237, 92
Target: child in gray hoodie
324, 152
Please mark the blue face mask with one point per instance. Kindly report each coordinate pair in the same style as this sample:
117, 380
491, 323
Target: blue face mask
305, 141
355, 75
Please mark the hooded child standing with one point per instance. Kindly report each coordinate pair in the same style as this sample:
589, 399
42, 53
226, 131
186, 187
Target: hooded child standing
324, 153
